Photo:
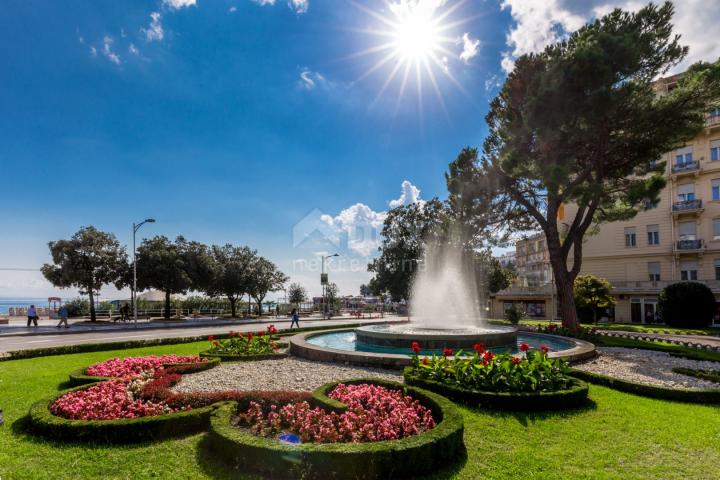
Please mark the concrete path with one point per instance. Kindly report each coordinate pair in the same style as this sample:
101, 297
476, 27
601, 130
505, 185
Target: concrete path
108, 334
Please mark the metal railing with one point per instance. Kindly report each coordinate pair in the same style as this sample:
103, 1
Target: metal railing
689, 245
685, 167
686, 205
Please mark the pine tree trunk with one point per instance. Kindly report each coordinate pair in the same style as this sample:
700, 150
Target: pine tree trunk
167, 304
93, 317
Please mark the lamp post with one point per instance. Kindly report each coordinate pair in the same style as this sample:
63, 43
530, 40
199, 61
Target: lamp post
324, 280
136, 227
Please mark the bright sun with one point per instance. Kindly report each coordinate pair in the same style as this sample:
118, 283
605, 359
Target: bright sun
416, 36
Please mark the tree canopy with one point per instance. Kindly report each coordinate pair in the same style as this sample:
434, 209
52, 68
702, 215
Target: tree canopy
232, 274
593, 293
296, 294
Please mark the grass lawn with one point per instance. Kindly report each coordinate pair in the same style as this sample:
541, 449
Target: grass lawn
616, 436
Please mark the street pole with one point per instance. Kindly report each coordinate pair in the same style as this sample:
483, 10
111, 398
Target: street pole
324, 282
136, 227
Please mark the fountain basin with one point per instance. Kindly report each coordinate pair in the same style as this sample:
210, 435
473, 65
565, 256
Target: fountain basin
455, 337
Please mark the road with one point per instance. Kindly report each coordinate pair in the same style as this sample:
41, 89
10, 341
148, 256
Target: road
11, 343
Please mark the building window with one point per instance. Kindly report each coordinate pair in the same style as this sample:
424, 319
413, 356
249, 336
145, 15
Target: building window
653, 234
717, 269
686, 192
654, 271
630, 240
683, 156
716, 228
688, 270
687, 230
715, 183
714, 150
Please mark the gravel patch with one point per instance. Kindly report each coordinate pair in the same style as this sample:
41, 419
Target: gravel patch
285, 374
649, 367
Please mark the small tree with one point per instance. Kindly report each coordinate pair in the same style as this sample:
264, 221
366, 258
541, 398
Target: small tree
515, 313
296, 294
164, 265
88, 261
687, 304
232, 273
593, 293
265, 278
332, 293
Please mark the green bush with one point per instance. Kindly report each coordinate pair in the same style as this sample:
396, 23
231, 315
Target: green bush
687, 304
515, 314
405, 458
709, 375
652, 391
227, 357
78, 307
575, 394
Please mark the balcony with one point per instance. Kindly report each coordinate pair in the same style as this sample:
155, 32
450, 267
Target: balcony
687, 207
680, 169
689, 246
713, 121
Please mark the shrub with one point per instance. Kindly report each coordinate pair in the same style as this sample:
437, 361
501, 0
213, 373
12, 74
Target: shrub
514, 314
687, 304
238, 344
532, 372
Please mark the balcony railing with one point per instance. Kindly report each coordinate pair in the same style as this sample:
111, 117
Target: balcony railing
713, 120
686, 205
685, 167
688, 245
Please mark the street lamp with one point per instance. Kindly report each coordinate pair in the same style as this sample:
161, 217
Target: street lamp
136, 227
324, 280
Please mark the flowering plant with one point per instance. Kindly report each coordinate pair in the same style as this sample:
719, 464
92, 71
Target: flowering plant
581, 332
138, 366
532, 371
252, 343
374, 413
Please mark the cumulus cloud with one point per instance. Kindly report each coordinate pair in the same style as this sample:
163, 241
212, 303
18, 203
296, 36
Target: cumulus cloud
133, 49
108, 52
264, 2
300, 6
154, 32
410, 194
178, 4
470, 47
540, 23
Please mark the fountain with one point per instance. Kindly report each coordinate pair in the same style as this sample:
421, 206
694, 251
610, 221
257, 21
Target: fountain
445, 310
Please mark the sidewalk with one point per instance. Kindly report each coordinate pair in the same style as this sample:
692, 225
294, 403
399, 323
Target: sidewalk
18, 327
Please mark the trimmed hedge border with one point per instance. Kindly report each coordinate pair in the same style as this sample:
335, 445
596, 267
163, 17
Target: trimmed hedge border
43, 422
694, 395
102, 347
407, 457
571, 397
79, 377
243, 358
709, 375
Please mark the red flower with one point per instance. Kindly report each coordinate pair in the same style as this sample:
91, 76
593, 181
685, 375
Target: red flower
524, 347
515, 360
232, 334
211, 338
216, 343
425, 361
271, 329
479, 348
415, 346
249, 336
544, 348
487, 356
260, 334
447, 352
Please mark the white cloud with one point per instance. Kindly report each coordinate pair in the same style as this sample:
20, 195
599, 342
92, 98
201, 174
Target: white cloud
309, 80
123, 33
232, 9
540, 23
107, 50
93, 51
492, 82
133, 49
155, 31
264, 2
300, 6
178, 4
470, 47
410, 194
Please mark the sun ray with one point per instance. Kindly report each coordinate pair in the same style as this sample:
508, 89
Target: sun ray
434, 83
388, 80
375, 67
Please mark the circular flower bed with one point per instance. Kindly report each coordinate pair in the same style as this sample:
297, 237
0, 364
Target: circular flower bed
245, 346
529, 381
354, 429
132, 367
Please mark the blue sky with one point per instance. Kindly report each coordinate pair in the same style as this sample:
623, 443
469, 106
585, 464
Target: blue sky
232, 120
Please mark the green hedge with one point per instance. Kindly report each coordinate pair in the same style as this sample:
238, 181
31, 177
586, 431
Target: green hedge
102, 347
44, 423
522, 401
709, 375
652, 391
79, 377
405, 458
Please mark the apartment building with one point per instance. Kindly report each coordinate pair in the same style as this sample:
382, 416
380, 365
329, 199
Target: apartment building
678, 239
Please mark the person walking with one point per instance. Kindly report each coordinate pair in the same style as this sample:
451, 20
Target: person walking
32, 316
63, 314
294, 317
